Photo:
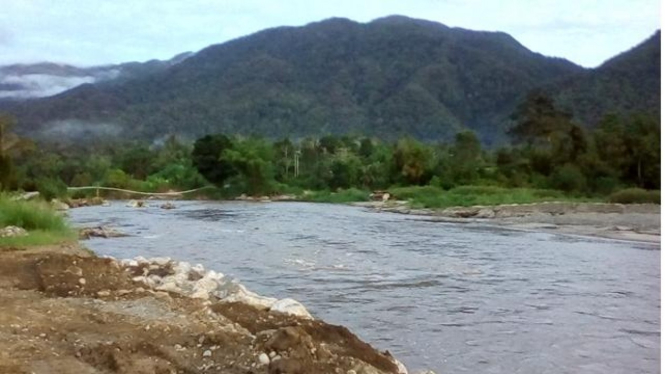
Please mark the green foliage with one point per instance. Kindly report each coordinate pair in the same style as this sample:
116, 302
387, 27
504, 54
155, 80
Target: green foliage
568, 178
44, 226
207, 158
51, 188
635, 196
30, 215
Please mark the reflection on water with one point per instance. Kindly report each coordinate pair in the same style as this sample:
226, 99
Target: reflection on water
456, 298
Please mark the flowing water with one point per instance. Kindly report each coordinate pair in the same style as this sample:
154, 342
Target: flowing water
455, 298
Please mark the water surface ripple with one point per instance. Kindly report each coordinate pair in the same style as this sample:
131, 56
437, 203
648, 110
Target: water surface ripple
455, 298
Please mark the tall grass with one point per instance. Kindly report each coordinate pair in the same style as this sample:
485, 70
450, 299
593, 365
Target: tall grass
433, 197
43, 224
635, 196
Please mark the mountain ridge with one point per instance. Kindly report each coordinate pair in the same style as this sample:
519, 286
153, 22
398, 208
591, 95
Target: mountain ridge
391, 77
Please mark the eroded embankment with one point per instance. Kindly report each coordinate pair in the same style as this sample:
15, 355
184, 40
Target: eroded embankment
63, 310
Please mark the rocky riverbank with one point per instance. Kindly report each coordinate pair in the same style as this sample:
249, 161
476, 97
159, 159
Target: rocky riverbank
65, 310
634, 222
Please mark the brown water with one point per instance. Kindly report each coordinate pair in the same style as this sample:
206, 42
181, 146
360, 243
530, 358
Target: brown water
455, 298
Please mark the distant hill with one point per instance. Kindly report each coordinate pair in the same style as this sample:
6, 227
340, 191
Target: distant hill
391, 77
629, 82
26, 81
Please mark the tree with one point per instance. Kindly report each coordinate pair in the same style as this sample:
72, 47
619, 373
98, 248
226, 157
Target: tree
10, 145
207, 157
465, 158
537, 121
412, 162
252, 159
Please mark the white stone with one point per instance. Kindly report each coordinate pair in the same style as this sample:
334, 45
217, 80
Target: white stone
200, 294
401, 369
264, 359
207, 353
242, 295
182, 267
168, 286
291, 307
161, 261
82, 281
12, 231
198, 269
129, 263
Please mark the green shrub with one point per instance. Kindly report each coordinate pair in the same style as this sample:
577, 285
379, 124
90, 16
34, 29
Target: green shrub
407, 193
635, 196
50, 189
31, 215
568, 178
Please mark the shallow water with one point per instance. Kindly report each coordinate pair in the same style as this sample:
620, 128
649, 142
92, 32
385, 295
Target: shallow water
454, 298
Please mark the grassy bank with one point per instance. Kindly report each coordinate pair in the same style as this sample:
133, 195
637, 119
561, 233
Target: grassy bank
44, 225
433, 197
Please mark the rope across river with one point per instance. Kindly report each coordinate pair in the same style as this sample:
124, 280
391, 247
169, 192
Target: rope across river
172, 193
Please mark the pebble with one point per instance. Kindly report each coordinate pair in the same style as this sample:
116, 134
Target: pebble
264, 359
207, 353
82, 281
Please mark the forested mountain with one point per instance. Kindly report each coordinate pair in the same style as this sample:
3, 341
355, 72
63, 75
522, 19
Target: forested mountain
629, 82
391, 77
25, 81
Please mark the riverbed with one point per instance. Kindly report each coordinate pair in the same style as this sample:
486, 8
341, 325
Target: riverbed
451, 297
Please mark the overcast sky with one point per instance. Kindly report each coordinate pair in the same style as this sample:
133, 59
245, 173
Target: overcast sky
93, 32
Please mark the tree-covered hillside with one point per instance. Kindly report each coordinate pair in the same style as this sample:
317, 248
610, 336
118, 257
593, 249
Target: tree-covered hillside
388, 78
627, 83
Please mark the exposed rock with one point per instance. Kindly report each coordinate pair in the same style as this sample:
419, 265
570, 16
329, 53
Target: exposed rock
264, 359
290, 306
242, 295
59, 205
99, 232
136, 204
168, 205
12, 232
92, 201
485, 213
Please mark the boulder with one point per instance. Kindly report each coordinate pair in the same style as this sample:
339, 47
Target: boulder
12, 232
99, 232
291, 307
136, 204
167, 205
59, 205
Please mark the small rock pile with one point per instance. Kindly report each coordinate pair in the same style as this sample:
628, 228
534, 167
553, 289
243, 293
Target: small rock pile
12, 232
164, 274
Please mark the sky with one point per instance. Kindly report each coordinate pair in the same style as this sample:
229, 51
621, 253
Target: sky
96, 32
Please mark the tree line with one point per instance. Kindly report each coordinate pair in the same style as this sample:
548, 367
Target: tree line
549, 151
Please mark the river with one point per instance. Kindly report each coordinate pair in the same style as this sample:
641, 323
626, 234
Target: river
454, 298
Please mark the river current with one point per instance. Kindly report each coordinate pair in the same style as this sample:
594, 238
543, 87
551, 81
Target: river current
454, 298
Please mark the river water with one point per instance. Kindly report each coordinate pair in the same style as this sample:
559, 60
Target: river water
455, 298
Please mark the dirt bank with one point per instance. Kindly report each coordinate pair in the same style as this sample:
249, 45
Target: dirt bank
637, 222
62, 310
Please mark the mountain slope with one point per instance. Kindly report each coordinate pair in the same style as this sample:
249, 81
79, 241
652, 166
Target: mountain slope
390, 77
629, 82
